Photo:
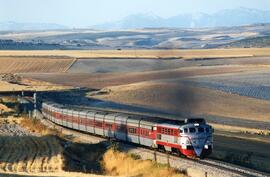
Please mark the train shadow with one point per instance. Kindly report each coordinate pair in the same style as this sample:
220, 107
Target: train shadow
84, 157
79, 98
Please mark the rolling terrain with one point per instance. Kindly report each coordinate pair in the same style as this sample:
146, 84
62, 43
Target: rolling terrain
229, 87
255, 35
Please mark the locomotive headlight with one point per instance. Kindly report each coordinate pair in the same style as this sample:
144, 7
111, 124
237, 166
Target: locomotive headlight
185, 141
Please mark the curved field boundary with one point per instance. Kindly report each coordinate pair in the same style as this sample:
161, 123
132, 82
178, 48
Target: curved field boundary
71, 64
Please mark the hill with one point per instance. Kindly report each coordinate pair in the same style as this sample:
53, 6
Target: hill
250, 42
145, 38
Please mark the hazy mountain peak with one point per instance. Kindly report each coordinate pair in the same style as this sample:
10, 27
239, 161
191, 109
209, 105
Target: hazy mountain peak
228, 17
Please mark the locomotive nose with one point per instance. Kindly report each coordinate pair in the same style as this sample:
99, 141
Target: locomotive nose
198, 145
198, 151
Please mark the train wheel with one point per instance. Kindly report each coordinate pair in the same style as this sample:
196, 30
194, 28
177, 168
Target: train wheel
176, 151
161, 148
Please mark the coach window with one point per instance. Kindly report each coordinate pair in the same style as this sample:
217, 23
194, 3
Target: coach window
132, 130
98, 124
185, 130
170, 132
108, 125
207, 130
192, 130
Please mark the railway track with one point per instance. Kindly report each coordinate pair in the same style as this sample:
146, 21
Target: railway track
205, 167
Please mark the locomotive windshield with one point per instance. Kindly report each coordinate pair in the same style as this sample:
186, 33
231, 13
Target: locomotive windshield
192, 130
200, 129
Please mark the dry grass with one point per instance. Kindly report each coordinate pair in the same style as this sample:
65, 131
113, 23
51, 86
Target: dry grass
35, 126
4, 108
55, 174
202, 53
119, 164
30, 85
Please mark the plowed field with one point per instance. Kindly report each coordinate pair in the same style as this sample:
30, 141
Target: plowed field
34, 65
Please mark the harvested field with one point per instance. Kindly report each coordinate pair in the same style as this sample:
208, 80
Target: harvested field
113, 79
251, 84
179, 98
30, 154
34, 65
23, 151
138, 65
187, 54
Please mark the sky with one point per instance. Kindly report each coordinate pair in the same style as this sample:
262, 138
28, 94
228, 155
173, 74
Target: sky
84, 13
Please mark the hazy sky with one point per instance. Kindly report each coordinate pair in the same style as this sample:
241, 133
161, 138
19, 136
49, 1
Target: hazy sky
80, 13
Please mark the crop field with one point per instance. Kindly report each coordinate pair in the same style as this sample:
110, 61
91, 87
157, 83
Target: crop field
252, 84
186, 54
34, 65
30, 154
24, 151
129, 65
100, 80
180, 98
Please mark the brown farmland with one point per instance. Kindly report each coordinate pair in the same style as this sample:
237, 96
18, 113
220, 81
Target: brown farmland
187, 54
34, 65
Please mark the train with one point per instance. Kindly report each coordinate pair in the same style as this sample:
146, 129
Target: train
190, 137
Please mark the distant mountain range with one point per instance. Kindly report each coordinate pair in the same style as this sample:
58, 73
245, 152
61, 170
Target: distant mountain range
15, 26
231, 17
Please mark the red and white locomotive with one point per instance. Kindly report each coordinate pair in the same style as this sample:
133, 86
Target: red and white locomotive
191, 137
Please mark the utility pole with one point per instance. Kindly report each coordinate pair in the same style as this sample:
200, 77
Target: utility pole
155, 155
168, 159
35, 104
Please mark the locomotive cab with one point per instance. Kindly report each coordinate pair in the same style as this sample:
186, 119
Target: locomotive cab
196, 138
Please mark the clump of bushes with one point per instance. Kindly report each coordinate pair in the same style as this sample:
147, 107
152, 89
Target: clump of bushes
117, 163
35, 126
